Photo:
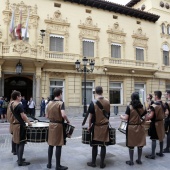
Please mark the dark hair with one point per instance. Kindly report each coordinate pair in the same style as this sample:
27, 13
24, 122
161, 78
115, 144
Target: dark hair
99, 90
150, 95
57, 92
15, 94
135, 101
168, 91
158, 94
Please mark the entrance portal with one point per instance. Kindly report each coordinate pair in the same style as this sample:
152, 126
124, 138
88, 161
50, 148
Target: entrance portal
22, 84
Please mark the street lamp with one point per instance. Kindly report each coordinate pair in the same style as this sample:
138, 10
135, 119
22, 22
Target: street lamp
19, 68
42, 33
85, 70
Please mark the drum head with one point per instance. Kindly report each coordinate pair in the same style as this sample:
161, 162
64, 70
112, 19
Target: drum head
39, 124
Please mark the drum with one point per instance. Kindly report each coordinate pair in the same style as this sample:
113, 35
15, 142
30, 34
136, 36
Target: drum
86, 136
147, 125
122, 127
38, 132
69, 129
112, 136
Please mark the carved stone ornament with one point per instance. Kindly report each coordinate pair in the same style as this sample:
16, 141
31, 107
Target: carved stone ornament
140, 39
57, 25
33, 19
116, 34
21, 47
88, 24
56, 19
0, 33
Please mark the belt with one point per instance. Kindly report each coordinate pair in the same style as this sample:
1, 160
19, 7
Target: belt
15, 123
56, 122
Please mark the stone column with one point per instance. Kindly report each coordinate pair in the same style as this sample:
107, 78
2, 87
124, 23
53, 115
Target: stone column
1, 62
38, 85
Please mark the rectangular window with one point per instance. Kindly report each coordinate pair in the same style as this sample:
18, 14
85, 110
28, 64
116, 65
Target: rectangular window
89, 92
140, 88
56, 43
88, 48
56, 84
168, 86
166, 58
140, 54
116, 50
116, 93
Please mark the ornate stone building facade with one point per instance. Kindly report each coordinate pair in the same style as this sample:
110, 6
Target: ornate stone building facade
129, 46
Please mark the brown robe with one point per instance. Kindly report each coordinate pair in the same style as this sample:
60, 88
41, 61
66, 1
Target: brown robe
135, 130
55, 132
101, 129
159, 122
10, 118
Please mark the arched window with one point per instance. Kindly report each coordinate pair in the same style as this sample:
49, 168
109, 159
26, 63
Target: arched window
163, 28
168, 29
165, 55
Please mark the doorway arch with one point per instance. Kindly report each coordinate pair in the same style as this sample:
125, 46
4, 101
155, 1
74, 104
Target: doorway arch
22, 84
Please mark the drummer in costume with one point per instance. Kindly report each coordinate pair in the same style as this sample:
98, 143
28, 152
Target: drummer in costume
10, 119
156, 130
135, 133
56, 135
167, 121
19, 126
98, 125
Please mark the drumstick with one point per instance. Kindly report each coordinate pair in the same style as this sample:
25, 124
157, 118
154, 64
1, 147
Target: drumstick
84, 121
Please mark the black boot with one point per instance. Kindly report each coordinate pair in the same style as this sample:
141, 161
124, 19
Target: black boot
94, 155
131, 152
138, 161
50, 154
161, 150
152, 156
102, 156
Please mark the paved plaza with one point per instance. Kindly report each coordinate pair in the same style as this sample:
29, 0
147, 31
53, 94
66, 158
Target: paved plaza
75, 155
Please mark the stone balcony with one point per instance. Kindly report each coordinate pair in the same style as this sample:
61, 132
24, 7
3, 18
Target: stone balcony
128, 64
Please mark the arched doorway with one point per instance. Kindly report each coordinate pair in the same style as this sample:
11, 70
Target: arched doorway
22, 84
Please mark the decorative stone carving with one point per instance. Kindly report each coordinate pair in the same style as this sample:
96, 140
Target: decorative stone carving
140, 39
89, 30
33, 22
21, 47
116, 35
57, 25
0, 33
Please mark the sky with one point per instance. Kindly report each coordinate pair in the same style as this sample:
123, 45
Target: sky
123, 2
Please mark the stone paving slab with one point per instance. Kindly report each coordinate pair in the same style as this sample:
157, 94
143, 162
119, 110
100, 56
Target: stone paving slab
75, 155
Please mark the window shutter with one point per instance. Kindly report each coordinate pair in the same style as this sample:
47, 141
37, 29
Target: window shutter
166, 57
56, 44
139, 54
115, 51
88, 49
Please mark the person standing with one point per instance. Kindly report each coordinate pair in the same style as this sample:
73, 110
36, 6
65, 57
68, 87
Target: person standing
135, 133
4, 108
156, 130
42, 110
10, 118
24, 103
1, 110
19, 126
31, 107
56, 135
149, 101
167, 122
99, 126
